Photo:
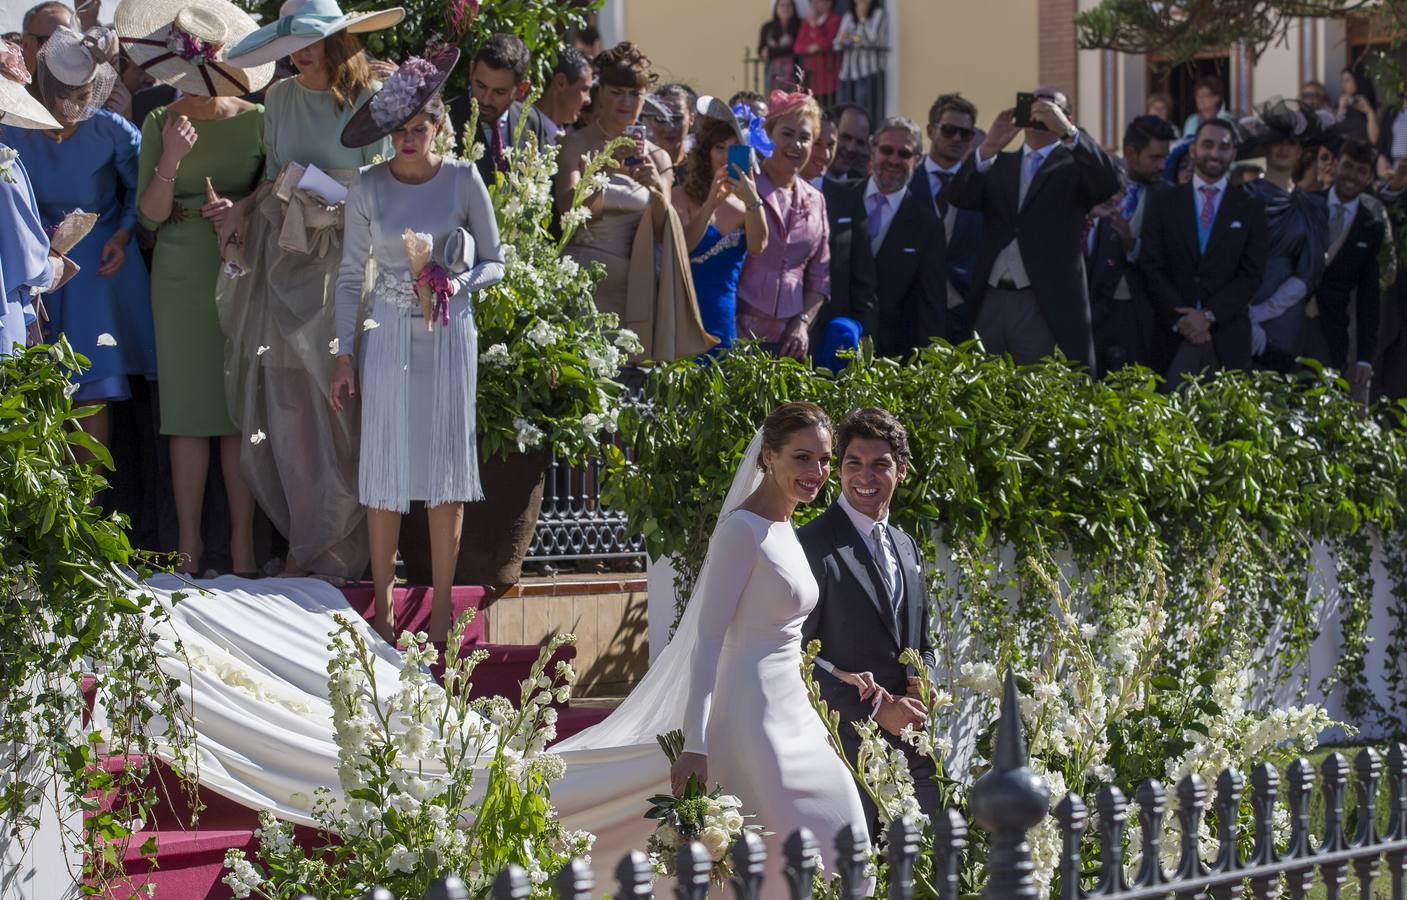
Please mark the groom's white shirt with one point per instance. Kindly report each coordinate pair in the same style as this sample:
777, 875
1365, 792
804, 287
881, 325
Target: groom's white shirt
865, 525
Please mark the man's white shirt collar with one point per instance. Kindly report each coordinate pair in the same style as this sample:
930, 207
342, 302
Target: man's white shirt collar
932, 168
892, 200
1350, 208
1198, 182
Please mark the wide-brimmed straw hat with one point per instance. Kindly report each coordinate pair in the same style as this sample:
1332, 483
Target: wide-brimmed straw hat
17, 106
302, 23
185, 43
401, 98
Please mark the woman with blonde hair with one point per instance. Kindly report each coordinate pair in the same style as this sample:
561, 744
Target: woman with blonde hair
631, 215
279, 314
783, 287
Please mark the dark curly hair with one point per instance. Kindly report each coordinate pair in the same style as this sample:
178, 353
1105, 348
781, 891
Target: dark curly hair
879, 424
789, 418
624, 65
698, 177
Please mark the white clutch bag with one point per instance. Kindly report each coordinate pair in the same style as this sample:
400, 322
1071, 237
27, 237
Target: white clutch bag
460, 253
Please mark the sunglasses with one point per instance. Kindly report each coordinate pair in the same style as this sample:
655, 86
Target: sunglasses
956, 131
903, 153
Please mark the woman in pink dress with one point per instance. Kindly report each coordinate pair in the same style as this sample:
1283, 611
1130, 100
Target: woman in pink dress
783, 287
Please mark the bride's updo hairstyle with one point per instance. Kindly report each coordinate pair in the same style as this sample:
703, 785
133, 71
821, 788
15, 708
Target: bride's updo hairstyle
788, 419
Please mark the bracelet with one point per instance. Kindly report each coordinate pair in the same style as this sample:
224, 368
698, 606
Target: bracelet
805, 319
758, 205
156, 170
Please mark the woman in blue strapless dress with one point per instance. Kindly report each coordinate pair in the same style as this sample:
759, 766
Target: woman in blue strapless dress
723, 221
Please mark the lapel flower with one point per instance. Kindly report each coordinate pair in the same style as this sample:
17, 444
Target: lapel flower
8, 155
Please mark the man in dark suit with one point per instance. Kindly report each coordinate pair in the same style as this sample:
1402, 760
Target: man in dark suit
873, 602
498, 80
1121, 315
1031, 289
952, 134
1350, 290
1202, 253
853, 279
907, 240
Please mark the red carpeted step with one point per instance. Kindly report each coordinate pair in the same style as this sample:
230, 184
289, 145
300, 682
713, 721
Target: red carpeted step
413, 606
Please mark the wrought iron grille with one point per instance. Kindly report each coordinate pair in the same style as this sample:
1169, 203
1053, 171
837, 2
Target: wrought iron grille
852, 75
1010, 800
574, 525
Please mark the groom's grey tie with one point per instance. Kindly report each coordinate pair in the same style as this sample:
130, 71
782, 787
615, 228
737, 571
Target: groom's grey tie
885, 562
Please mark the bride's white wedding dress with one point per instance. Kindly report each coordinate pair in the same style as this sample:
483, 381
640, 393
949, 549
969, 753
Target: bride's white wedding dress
748, 709
252, 670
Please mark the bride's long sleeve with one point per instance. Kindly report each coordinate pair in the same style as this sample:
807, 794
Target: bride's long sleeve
721, 584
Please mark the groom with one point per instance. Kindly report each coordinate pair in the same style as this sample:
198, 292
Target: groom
873, 600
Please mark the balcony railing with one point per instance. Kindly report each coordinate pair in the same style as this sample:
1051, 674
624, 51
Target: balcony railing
852, 75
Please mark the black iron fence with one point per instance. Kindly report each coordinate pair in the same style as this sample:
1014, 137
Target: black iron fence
1010, 799
575, 527
855, 74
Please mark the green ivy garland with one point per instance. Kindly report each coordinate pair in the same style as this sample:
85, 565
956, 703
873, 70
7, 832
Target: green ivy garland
1230, 480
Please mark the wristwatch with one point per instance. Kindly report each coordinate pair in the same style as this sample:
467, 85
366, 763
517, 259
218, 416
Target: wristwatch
1209, 316
805, 319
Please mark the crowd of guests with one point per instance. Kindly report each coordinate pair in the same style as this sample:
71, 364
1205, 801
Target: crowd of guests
244, 178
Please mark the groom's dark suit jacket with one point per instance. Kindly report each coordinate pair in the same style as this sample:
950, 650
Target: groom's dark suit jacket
858, 630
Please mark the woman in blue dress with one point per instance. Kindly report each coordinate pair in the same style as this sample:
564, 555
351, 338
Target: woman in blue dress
722, 216
90, 163
26, 266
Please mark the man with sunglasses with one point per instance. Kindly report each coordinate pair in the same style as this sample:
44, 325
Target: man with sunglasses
39, 23
952, 133
908, 242
1031, 292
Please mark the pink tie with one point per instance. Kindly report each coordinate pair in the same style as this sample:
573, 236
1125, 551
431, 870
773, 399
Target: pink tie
876, 205
1209, 192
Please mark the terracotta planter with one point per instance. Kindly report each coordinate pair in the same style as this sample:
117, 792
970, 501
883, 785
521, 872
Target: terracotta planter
497, 531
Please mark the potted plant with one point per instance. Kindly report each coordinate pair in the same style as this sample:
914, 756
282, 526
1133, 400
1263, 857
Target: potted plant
548, 361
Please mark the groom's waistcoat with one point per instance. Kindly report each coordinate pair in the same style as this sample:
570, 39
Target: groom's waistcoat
854, 620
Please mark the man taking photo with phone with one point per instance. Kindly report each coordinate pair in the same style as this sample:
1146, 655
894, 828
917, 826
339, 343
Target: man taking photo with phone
1030, 286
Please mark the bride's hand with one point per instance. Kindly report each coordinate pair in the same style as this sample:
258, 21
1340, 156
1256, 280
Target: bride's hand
687, 764
863, 681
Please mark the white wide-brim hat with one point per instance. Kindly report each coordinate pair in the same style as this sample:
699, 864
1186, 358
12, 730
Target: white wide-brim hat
17, 106
184, 43
302, 23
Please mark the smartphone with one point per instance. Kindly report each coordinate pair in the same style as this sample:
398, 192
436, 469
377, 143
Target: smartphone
636, 133
1022, 117
739, 160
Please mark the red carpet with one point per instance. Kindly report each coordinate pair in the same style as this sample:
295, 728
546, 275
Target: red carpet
190, 861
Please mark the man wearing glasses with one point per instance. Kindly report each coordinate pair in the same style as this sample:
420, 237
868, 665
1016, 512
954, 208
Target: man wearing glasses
952, 133
40, 22
907, 240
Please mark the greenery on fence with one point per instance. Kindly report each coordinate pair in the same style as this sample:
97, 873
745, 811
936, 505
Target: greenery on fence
1230, 479
69, 603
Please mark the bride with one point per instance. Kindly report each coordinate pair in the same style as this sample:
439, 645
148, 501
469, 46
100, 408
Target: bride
253, 664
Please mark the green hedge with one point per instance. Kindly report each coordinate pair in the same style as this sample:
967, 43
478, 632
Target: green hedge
1234, 476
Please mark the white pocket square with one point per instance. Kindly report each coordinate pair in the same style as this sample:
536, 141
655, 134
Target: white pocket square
1363, 244
845, 220
1236, 224
910, 249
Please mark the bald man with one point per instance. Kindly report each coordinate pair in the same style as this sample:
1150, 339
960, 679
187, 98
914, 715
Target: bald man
40, 22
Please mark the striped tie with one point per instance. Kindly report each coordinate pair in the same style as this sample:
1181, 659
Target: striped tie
1204, 221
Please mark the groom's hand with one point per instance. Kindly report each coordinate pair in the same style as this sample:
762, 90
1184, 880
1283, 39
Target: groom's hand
913, 689
894, 714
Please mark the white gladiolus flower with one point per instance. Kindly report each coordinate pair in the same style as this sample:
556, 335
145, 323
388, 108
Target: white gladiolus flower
257, 437
529, 435
369, 324
543, 333
261, 351
402, 859
106, 340
497, 355
332, 346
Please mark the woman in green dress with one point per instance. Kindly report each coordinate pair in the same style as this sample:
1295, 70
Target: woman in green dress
199, 155
278, 318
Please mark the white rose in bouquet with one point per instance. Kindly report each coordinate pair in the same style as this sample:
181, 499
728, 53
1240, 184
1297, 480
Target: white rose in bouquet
715, 841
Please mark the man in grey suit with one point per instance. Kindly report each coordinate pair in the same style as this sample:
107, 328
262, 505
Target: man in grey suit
873, 601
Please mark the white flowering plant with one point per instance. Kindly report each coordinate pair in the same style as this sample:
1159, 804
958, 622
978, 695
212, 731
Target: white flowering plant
430, 782
548, 360
712, 818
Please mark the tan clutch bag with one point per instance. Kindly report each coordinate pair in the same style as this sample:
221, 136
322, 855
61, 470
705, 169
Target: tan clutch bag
74, 228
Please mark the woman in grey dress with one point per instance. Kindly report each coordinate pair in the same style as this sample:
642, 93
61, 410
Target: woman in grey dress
418, 373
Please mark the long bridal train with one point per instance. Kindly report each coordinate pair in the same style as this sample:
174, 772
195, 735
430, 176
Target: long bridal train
252, 670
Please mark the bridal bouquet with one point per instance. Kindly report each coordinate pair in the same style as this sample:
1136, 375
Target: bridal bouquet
712, 818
